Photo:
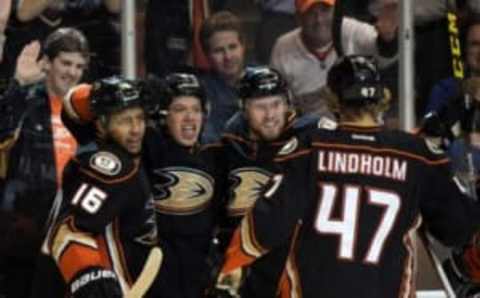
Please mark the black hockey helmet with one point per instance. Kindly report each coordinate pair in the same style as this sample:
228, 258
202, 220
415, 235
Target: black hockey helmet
259, 81
113, 94
355, 80
182, 84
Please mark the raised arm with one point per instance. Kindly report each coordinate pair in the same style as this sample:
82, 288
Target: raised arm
30, 69
28, 10
5, 9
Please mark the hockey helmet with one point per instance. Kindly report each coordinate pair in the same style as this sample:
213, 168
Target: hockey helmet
355, 80
182, 84
262, 81
113, 94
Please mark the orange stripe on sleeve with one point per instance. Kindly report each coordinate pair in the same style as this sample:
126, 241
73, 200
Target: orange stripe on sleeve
235, 257
78, 257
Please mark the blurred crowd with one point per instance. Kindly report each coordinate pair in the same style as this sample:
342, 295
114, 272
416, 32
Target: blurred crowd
215, 41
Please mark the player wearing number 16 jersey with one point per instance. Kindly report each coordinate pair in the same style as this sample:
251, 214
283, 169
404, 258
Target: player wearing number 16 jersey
351, 197
105, 227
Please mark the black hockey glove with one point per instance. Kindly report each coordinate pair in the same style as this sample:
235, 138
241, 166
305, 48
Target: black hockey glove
463, 271
95, 282
153, 93
451, 121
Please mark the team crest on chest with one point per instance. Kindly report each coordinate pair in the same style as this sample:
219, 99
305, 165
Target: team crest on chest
182, 191
248, 185
106, 163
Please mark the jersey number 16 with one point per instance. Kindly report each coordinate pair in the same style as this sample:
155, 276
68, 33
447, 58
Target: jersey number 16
89, 198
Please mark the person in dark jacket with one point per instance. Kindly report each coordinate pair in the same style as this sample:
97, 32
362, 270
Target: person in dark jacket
38, 146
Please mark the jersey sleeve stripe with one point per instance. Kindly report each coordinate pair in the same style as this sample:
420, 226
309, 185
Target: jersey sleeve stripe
235, 256
249, 243
117, 256
76, 251
289, 285
293, 155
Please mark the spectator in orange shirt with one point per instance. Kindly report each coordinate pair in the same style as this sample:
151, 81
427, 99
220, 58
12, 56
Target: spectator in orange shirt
38, 145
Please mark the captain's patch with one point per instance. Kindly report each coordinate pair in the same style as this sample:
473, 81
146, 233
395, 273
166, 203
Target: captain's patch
106, 163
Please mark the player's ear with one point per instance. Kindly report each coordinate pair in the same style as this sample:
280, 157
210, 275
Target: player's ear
101, 127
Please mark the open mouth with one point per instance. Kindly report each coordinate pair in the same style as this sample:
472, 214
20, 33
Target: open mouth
189, 131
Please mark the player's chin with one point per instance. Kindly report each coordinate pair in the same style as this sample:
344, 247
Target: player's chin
134, 148
270, 134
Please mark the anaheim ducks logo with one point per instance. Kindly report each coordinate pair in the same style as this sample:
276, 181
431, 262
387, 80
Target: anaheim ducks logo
182, 191
248, 184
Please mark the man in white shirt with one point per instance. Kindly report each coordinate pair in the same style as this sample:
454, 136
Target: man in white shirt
305, 54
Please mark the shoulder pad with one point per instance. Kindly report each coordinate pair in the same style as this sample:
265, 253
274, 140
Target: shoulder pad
327, 123
289, 147
107, 164
434, 145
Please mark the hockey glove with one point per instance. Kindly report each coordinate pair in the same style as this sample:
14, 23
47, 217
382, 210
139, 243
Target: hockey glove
95, 282
466, 262
469, 262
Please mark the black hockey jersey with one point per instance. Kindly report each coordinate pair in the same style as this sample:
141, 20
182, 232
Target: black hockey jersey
353, 198
250, 166
105, 219
184, 183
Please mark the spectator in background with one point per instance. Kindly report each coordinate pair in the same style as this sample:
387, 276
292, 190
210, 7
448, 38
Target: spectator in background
471, 140
35, 19
5, 8
223, 40
276, 18
450, 88
169, 34
39, 147
172, 34
305, 54
431, 31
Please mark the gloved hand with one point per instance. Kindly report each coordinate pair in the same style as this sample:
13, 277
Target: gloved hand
451, 121
95, 282
460, 276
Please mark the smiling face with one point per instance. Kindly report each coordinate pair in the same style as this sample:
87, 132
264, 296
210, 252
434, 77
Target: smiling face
64, 71
184, 120
126, 128
266, 116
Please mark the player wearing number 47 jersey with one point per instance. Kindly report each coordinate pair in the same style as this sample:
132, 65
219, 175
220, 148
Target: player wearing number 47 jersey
105, 227
352, 196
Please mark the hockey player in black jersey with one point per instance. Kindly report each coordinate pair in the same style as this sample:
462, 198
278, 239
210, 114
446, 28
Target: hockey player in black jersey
349, 199
103, 225
252, 138
184, 181
181, 174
